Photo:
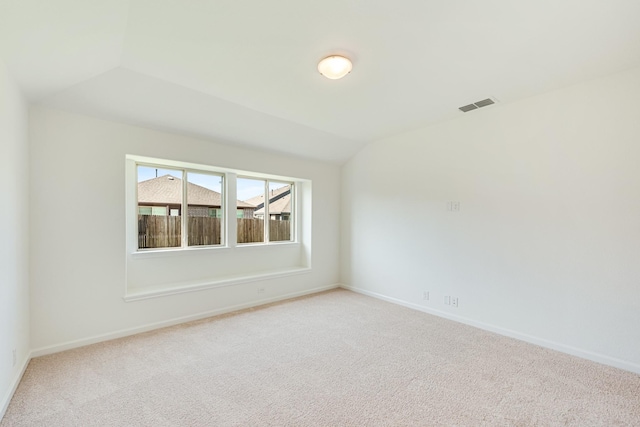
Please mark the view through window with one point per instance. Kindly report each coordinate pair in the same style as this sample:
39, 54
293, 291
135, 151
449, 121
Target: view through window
250, 227
271, 203
185, 208
164, 199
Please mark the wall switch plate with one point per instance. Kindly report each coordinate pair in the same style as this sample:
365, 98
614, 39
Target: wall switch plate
453, 206
447, 300
454, 301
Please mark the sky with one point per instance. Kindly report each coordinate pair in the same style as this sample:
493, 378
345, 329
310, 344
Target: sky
247, 188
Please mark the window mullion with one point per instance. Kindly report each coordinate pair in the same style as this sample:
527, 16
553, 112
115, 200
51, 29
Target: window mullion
184, 213
223, 210
267, 219
231, 207
294, 210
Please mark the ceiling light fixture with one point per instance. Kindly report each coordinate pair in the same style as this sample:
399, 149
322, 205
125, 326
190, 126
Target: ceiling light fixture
335, 67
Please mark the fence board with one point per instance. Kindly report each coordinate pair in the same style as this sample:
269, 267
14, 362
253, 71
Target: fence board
204, 230
250, 230
156, 231
279, 230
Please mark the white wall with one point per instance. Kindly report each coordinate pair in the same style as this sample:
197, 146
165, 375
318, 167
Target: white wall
78, 234
14, 250
546, 245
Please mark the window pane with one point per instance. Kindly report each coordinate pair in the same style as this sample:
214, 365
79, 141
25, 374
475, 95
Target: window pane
251, 201
280, 211
159, 193
160, 210
204, 201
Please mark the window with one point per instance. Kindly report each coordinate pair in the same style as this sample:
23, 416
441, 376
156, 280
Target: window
280, 208
165, 194
265, 202
204, 192
182, 221
182, 205
250, 227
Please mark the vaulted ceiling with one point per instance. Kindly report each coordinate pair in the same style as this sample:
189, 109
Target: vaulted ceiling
244, 71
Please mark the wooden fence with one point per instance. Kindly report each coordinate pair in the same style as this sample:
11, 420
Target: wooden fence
279, 230
250, 230
156, 231
204, 231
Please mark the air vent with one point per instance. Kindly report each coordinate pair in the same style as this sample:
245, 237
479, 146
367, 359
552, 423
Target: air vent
484, 103
468, 108
478, 104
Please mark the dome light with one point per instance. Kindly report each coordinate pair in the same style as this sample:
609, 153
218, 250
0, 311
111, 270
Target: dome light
335, 67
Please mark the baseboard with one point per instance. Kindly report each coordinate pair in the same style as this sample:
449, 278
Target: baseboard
4, 403
171, 322
584, 354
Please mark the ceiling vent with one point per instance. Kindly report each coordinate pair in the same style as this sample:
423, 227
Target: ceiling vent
478, 104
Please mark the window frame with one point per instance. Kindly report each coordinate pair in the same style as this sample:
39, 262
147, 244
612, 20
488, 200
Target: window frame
228, 208
266, 217
184, 205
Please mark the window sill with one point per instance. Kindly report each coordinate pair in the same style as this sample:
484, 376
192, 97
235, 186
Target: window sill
171, 252
173, 289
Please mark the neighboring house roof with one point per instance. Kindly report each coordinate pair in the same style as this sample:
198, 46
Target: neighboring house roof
167, 189
278, 207
279, 201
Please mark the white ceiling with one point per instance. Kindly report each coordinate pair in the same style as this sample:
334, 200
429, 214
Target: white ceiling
245, 70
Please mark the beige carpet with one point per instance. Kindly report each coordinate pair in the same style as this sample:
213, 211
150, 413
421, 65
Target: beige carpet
332, 359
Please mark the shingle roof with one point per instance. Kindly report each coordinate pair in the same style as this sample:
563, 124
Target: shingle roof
167, 189
276, 207
258, 200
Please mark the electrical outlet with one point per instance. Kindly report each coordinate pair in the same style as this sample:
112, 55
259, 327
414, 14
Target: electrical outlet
454, 301
447, 300
425, 295
260, 290
14, 357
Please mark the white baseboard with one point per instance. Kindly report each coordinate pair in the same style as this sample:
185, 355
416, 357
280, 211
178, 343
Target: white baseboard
4, 403
175, 321
584, 354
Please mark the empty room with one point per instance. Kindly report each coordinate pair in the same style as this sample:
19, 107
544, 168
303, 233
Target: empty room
338, 213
